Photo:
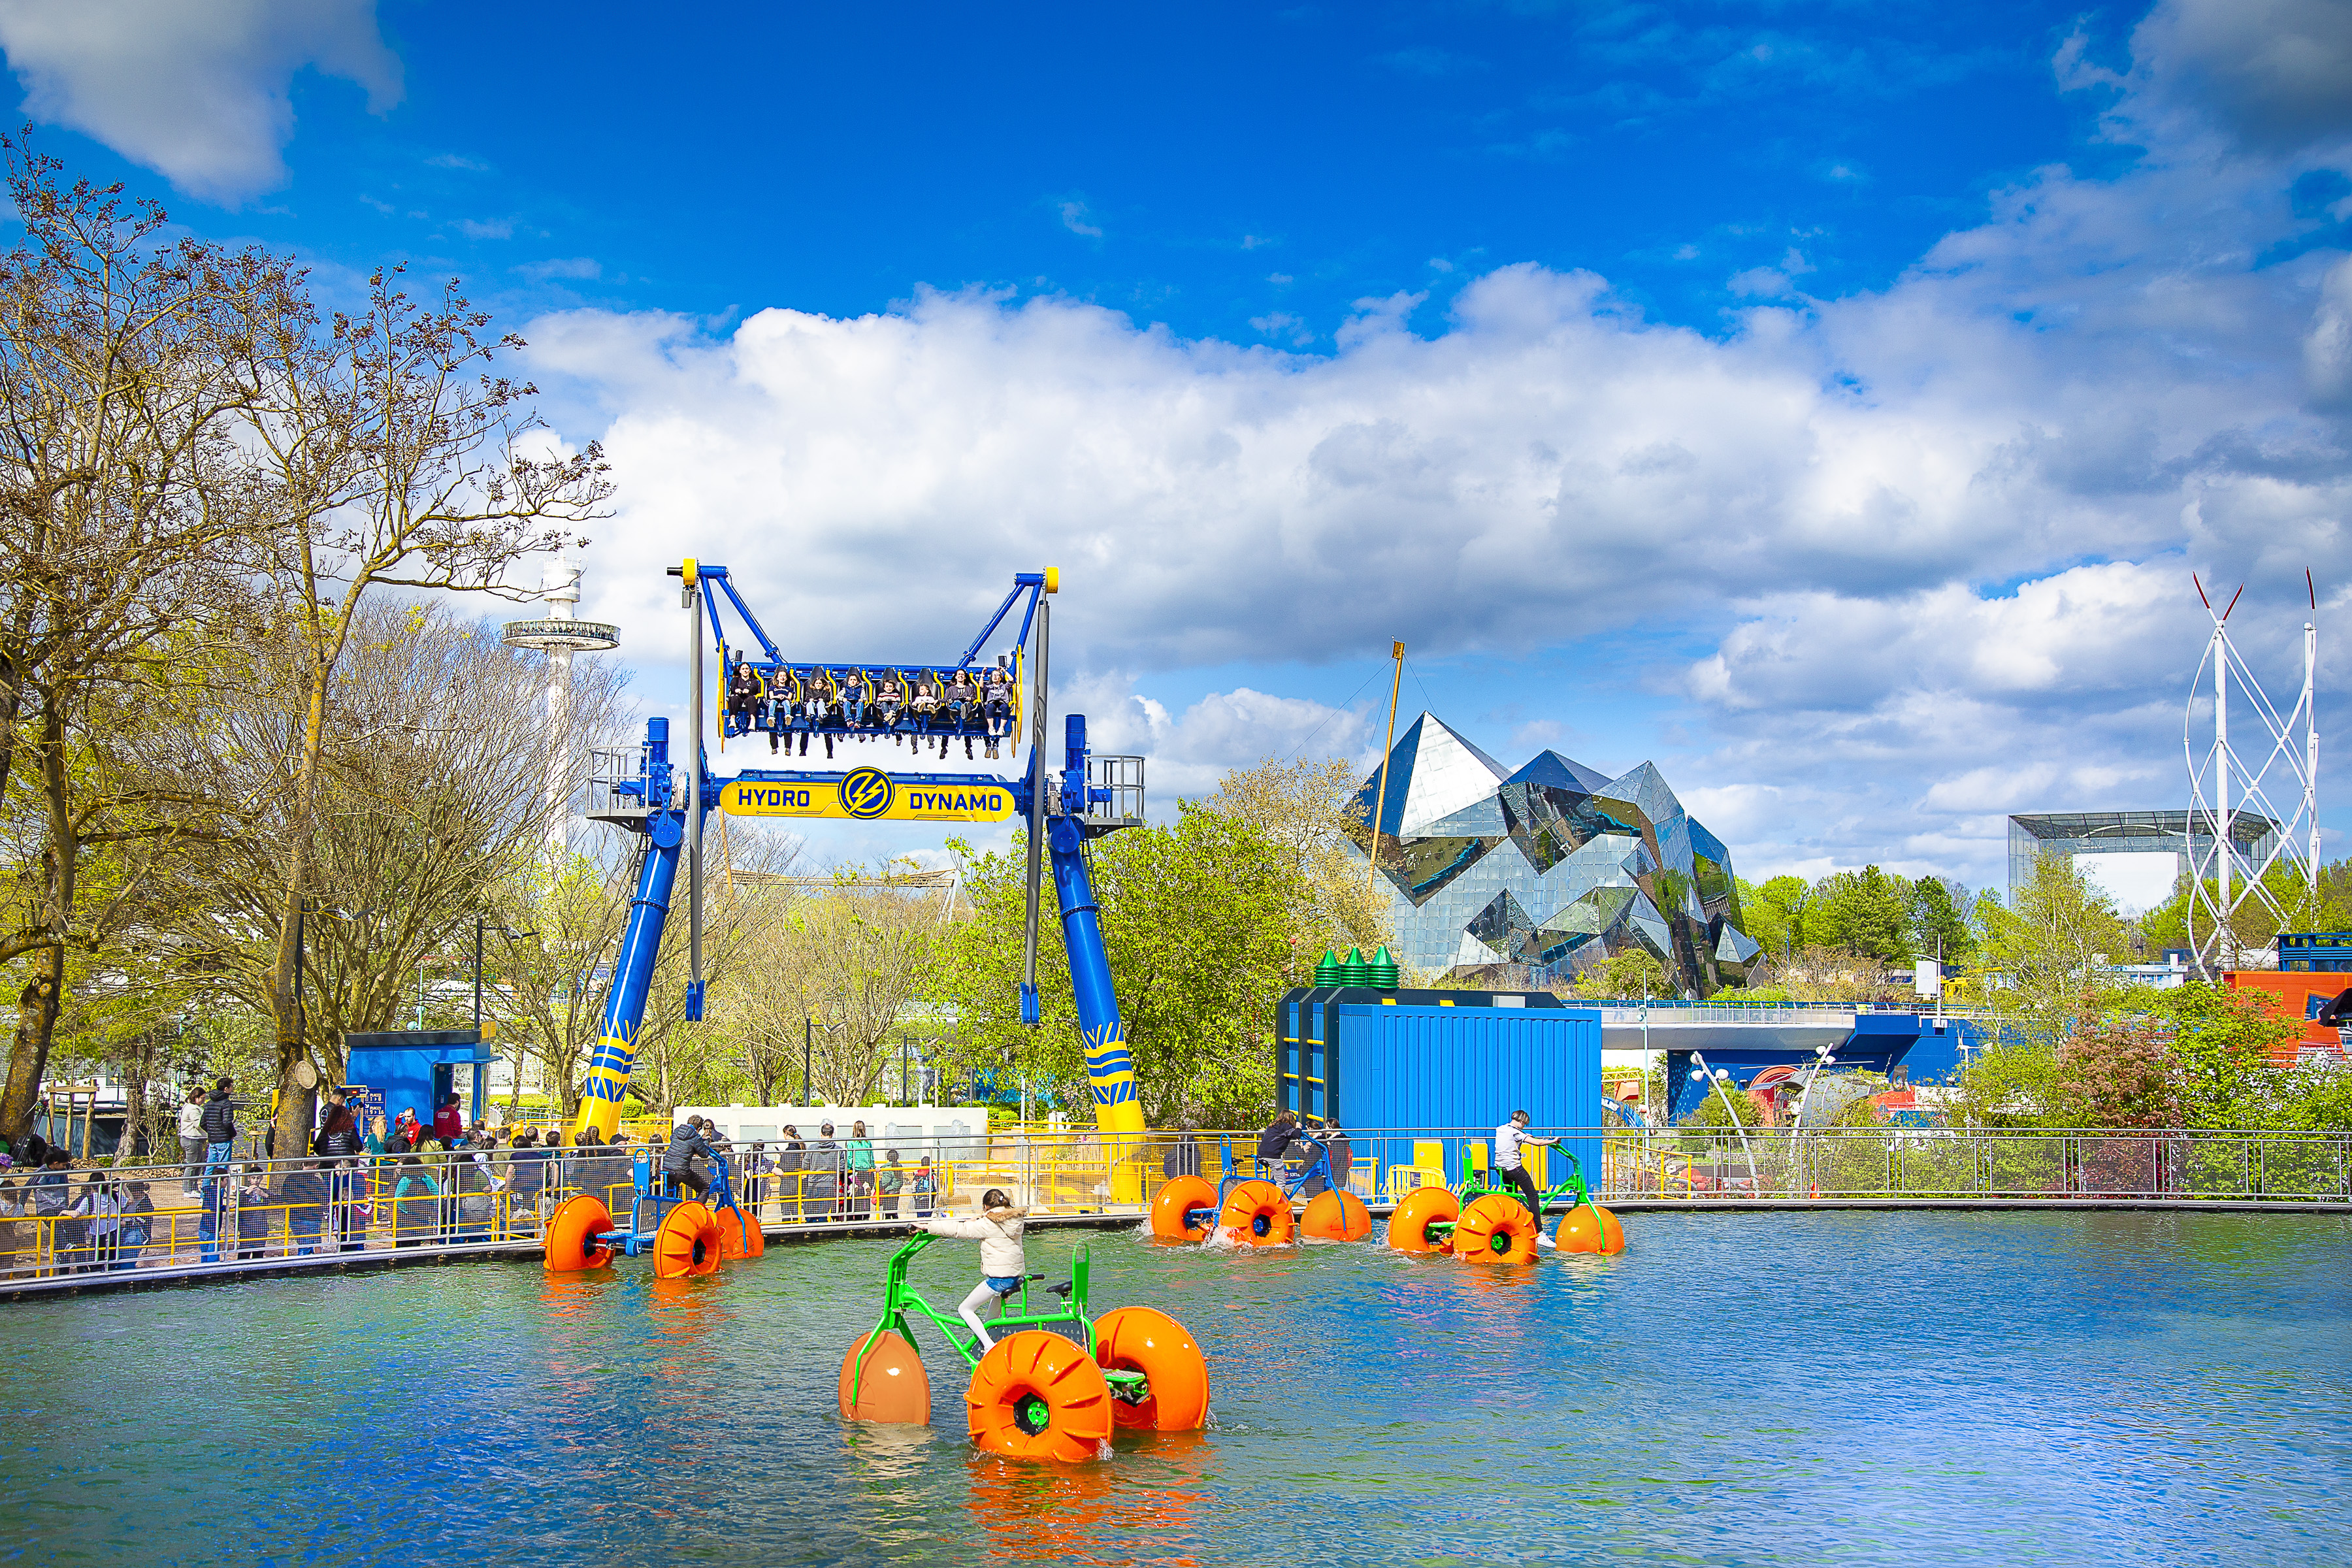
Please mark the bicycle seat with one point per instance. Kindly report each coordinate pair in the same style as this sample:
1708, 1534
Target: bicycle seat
1062, 1291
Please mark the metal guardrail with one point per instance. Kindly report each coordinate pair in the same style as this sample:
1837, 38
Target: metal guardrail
105, 1218
2187, 1164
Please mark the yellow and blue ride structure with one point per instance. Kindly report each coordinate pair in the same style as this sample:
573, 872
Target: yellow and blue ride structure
665, 795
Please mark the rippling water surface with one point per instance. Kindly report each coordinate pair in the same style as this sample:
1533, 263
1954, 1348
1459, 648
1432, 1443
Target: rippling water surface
1732, 1389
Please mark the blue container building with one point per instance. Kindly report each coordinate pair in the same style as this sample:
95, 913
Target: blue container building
1451, 1065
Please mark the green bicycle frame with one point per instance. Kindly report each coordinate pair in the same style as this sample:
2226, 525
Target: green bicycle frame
899, 1298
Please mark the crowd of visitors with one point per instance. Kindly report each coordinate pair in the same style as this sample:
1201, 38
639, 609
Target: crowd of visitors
413, 1182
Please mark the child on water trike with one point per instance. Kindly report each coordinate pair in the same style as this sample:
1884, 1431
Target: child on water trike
1003, 1262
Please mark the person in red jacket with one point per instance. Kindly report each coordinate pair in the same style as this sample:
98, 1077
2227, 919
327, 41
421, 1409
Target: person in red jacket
449, 1122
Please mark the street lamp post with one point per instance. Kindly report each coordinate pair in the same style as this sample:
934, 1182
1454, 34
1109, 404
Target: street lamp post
1722, 1081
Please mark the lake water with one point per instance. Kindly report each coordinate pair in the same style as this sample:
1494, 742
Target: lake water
1786, 1388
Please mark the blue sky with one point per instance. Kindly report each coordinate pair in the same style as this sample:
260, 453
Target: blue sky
1829, 402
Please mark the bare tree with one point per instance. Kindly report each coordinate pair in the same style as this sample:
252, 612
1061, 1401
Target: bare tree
114, 550
855, 958
1302, 808
390, 456
429, 810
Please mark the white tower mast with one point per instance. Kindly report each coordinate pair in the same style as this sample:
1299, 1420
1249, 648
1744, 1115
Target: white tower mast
559, 636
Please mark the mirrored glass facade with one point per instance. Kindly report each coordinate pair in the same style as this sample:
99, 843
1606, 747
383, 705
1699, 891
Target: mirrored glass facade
1553, 868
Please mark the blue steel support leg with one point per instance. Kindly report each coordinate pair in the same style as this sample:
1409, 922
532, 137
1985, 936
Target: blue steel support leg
1110, 1071
632, 972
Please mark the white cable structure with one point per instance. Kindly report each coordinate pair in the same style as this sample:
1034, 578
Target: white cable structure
2231, 789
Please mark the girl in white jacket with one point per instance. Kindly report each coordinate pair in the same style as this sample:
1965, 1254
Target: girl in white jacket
1002, 1263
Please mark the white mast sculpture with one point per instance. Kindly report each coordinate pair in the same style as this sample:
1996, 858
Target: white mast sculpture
2222, 787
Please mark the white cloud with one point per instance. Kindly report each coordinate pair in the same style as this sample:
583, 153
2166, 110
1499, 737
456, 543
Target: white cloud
196, 92
1938, 537
488, 229
580, 267
1078, 220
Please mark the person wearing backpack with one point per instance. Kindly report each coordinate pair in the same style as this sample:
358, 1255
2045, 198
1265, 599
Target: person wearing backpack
219, 1125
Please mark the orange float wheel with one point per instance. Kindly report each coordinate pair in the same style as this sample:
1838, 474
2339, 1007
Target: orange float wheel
888, 1376
738, 1235
1176, 1375
1336, 1215
1497, 1230
1589, 1228
571, 1244
1410, 1221
1172, 1207
1256, 1215
686, 1244
1039, 1396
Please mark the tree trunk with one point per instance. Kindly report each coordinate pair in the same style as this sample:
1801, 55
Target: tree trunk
28, 1058
298, 1102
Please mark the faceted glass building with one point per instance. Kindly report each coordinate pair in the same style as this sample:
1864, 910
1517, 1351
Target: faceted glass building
1554, 868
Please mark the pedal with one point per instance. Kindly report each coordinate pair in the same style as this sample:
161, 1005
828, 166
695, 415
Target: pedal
1128, 1387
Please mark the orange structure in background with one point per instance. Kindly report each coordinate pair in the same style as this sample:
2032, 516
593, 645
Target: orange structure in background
2289, 993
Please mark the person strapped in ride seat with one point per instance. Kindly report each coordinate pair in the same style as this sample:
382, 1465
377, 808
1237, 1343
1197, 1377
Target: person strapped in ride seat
819, 698
963, 709
853, 699
889, 698
926, 705
996, 704
784, 705
743, 693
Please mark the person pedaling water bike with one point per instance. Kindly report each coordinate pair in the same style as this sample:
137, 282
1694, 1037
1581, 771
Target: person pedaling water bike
686, 1141
743, 693
1004, 1264
1509, 1138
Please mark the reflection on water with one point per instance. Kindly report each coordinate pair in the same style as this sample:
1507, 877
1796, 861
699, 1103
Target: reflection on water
1097, 1514
2076, 1388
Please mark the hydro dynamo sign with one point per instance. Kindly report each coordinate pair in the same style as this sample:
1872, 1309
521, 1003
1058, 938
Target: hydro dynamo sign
869, 795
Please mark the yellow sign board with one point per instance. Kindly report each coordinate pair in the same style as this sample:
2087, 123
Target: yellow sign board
869, 795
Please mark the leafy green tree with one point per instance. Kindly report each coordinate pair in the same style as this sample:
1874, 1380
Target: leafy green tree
1865, 911
1198, 921
2040, 951
1636, 973
2220, 1054
2014, 1083
1775, 913
2253, 926
1937, 919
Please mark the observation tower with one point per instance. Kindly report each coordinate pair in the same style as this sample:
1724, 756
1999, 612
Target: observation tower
559, 636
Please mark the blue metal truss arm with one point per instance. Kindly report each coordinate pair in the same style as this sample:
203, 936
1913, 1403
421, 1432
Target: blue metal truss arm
1030, 583
719, 575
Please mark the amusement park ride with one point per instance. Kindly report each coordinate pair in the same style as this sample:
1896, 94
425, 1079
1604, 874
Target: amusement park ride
1058, 1382
657, 795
